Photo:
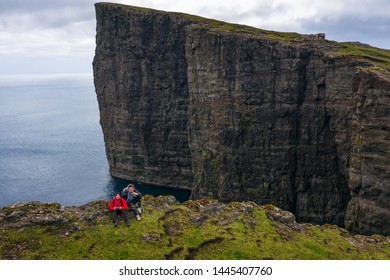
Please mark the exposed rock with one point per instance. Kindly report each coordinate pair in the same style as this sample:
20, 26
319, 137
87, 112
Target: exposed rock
313, 37
277, 214
37, 214
21, 215
236, 113
151, 236
161, 203
143, 95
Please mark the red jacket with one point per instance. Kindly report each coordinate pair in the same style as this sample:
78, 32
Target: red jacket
117, 202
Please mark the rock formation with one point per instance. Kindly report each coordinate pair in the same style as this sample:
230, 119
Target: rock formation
237, 113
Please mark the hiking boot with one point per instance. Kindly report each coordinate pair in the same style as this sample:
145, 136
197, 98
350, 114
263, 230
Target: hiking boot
139, 210
137, 217
127, 224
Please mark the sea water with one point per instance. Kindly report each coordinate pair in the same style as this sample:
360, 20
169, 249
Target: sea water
51, 143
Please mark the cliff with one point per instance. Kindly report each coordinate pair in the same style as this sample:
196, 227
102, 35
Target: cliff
241, 114
203, 230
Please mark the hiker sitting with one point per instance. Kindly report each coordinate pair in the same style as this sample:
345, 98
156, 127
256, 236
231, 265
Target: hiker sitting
133, 198
118, 205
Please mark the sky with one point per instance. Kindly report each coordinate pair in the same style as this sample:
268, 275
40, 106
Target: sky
58, 36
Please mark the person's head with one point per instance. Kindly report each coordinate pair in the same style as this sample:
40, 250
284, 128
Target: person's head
117, 196
131, 187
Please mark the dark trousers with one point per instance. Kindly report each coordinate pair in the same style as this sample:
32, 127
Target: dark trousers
121, 212
131, 204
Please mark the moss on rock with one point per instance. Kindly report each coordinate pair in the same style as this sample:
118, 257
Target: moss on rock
201, 229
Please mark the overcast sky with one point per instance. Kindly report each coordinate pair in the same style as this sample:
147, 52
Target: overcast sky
58, 36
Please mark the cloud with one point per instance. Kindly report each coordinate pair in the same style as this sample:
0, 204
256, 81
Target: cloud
367, 21
33, 28
67, 27
33, 6
76, 36
46, 36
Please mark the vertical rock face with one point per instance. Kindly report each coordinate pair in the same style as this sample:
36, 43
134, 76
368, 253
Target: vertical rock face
140, 73
265, 131
186, 102
369, 168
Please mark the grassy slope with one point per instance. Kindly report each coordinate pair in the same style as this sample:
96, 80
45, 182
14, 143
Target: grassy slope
185, 231
378, 57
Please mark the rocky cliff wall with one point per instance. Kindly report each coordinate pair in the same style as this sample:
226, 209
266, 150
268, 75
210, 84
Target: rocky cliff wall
265, 128
369, 165
186, 102
140, 74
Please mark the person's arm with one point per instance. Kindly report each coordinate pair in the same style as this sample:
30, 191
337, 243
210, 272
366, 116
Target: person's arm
124, 204
111, 205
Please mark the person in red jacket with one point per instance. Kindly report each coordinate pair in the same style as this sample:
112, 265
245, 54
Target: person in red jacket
118, 205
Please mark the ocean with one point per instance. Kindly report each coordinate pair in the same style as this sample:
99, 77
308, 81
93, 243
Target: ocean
51, 143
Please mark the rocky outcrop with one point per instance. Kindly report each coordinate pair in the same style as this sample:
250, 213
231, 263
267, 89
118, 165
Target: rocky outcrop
236, 113
200, 229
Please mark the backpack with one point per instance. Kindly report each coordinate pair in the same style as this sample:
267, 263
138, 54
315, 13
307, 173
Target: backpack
124, 193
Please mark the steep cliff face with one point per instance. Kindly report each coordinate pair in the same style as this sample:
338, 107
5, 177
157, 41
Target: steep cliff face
369, 168
265, 128
236, 113
140, 74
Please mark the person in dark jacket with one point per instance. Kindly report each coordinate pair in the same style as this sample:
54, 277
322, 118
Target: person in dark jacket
133, 198
118, 205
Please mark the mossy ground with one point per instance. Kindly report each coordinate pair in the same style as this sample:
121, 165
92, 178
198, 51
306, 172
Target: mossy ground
187, 231
378, 57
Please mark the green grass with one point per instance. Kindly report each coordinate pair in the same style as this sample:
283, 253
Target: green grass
186, 231
379, 57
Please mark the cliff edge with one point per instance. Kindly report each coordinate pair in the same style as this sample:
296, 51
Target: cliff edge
195, 230
238, 113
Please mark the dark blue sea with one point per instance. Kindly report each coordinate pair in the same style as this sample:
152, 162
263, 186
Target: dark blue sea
51, 143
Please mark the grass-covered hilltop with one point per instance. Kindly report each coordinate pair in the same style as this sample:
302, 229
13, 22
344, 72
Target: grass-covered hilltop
203, 229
